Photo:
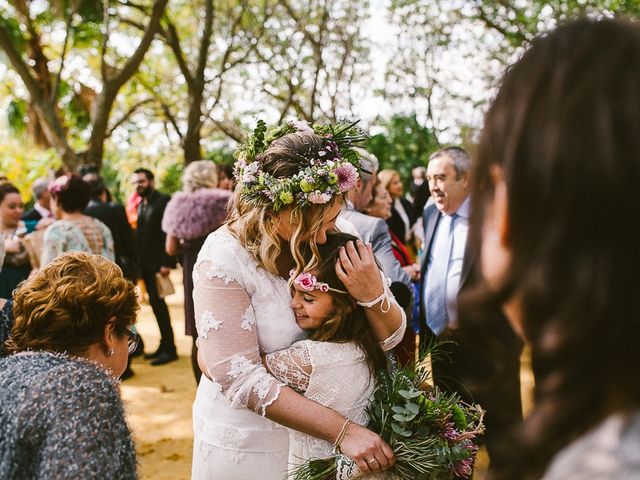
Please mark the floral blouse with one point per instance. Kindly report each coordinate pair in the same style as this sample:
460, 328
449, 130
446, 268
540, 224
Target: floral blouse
86, 235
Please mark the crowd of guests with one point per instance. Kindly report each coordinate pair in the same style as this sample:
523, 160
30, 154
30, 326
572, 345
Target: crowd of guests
75, 212
503, 249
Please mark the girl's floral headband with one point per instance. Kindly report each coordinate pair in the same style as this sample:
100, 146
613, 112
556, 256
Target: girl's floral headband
309, 282
334, 170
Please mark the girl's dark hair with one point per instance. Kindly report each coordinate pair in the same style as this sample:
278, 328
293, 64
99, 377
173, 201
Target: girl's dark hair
7, 188
349, 322
74, 195
564, 129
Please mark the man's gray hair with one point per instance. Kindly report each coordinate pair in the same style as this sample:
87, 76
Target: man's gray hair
460, 158
40, 185
369, 163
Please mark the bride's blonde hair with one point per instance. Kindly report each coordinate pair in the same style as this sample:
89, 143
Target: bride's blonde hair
254, 225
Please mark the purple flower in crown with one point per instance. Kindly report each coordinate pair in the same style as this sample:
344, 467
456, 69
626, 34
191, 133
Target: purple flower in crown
306, 281
318, 197
347, 176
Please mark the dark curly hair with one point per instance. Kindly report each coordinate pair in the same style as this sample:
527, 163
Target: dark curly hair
564, 130
66, 305
6, 188
72, 194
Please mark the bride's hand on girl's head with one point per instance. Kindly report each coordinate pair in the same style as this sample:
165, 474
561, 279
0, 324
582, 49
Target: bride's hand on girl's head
359, 272
370, 452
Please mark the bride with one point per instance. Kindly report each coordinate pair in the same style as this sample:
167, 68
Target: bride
291, 184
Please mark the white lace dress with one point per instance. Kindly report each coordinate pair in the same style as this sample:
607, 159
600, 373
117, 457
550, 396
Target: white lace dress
241, 310
335, 375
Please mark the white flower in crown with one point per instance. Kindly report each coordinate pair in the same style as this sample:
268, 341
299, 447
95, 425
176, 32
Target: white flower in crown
301, 126
250, 172
318, 197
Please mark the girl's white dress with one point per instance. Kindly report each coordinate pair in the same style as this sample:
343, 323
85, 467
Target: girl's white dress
241, 310
335, 375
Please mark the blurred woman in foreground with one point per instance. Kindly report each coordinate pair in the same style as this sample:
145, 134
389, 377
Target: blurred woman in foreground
556, 193
60, 410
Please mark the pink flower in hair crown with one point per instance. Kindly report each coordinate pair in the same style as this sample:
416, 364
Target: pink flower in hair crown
309, 282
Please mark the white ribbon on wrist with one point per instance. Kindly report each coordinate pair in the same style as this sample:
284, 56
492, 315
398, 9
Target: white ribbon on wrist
385, 296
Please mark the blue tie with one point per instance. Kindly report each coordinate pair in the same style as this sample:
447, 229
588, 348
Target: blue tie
436, 287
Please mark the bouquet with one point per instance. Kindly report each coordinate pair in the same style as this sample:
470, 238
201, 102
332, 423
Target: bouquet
432, 432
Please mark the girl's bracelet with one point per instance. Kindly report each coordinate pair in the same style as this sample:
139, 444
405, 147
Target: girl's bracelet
340, 437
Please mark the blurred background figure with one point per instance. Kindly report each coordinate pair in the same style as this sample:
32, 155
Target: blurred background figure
555, 202
60, 410
419, 190
16, 265
189, 217
113, 215
153, 259
402, 214
40, 215
74, 231
225, 176
380, 207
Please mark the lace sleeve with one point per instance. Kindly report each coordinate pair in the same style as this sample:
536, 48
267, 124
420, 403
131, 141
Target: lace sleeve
291, 366
228, 340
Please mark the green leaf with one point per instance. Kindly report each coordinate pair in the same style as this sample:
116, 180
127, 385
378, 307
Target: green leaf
410, 394
400, 431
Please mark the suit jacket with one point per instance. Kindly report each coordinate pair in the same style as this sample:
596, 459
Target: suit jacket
113, 215
396, 225
31, 214
149, 237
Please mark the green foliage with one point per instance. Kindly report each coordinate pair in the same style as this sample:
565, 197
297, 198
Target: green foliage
404, 145
171, 178
16, 115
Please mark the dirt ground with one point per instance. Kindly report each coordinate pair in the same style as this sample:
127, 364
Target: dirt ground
158, 400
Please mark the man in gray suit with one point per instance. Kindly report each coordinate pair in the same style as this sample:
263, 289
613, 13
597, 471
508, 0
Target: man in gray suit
375, 230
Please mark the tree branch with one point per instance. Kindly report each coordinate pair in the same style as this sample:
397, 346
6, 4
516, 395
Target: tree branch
65, 45
134, 61
171, 37
127, 114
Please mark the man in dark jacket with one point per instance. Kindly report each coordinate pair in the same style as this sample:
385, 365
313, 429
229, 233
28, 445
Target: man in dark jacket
153, 259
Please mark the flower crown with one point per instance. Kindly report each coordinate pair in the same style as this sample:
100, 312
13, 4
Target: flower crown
333, 170
309, 282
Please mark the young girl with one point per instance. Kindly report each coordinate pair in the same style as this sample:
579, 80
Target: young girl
337, 365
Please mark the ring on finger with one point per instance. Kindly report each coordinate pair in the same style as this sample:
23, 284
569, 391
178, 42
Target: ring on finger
371, 460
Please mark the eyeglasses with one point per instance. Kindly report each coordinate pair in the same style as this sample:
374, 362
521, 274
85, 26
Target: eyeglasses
132, 339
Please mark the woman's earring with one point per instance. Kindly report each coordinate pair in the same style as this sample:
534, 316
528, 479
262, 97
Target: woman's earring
111, 353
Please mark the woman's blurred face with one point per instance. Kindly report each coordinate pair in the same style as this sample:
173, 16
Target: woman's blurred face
11, 210
224, 182
380, 205
286, 229
395, 187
